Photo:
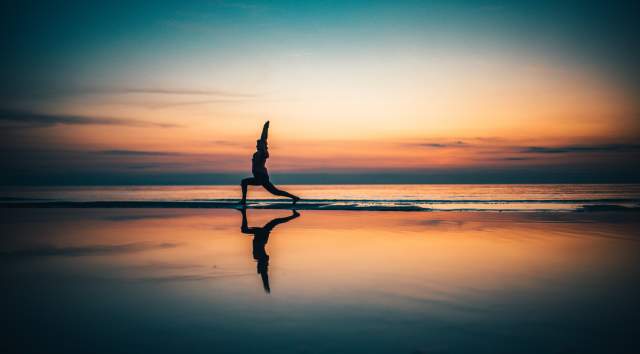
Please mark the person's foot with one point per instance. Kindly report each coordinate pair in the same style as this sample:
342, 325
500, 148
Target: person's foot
295, 200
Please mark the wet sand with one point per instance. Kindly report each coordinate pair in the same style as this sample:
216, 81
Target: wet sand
189, 280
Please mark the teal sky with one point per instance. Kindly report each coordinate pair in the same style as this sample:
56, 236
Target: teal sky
52, 44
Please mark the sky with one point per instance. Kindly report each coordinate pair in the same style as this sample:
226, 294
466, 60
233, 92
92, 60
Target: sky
176, 92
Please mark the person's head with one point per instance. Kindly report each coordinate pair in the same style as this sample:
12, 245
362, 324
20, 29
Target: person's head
261, 145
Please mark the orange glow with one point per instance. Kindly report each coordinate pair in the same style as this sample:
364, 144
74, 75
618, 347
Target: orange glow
347, 115
434, 252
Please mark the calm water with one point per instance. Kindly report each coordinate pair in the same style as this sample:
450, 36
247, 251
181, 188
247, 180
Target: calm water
168, 280
437, 197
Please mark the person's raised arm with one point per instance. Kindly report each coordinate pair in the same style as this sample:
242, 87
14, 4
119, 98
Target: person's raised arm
265, 132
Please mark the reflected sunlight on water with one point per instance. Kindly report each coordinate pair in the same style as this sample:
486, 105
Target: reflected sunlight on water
339, 281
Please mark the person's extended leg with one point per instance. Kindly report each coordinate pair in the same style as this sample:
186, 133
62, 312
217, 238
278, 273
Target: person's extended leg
246, 182
275, 191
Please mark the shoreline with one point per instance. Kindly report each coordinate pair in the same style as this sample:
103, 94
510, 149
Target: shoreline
289, 206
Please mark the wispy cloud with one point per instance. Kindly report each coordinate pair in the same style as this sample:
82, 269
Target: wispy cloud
156, 166
511, 158
55, 92
229, 143
171, 97
581, 148
196, 102
169, 91
440, 145
27, 119
136, 153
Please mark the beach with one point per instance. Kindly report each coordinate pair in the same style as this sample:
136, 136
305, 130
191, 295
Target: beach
319, 177
161, 280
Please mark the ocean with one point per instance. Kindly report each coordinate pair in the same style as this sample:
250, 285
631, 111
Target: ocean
420, 197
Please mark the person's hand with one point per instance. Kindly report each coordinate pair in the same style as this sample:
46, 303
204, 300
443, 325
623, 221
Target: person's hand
265, 132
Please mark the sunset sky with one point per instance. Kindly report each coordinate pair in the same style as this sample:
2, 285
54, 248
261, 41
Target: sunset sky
365, 91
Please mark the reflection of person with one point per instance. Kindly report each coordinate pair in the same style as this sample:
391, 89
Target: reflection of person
259, 170
260, 238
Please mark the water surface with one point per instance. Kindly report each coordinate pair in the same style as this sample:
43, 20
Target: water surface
169, 280
511, 197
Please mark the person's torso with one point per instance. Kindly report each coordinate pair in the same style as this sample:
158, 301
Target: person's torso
258, 163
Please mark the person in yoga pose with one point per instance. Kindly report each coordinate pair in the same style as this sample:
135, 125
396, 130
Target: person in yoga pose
260, 239
259, 170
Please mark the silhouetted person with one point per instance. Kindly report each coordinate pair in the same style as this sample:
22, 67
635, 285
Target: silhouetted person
260, 238
259, 170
